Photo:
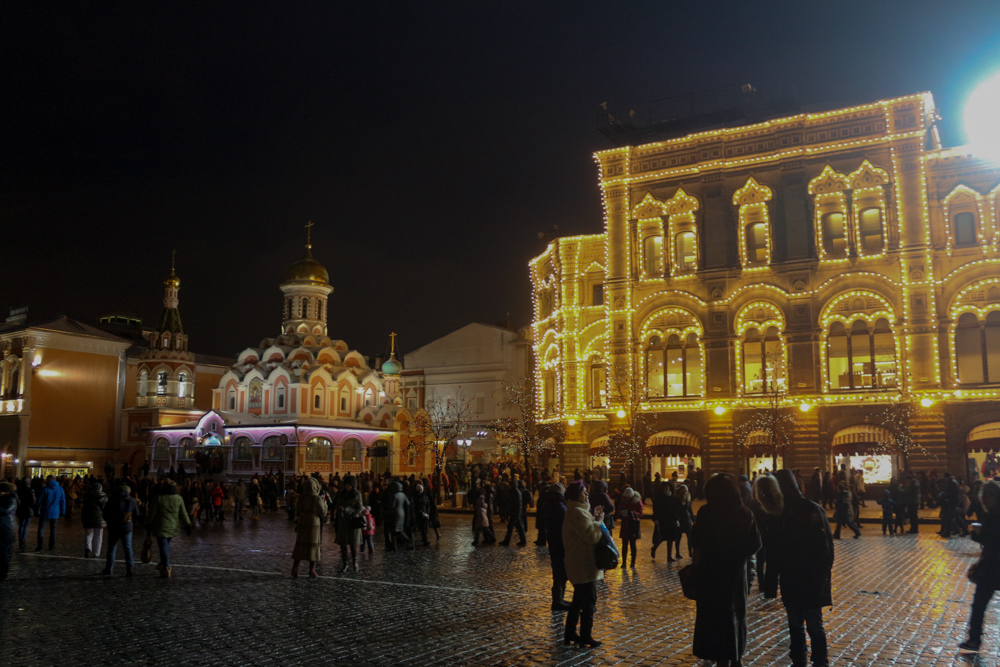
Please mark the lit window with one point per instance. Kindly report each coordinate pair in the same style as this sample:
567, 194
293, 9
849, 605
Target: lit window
351, 450
978, 349
187, 449
318, 449
182, 385
686, 253
871, 230
834, 234
143, 383
653, 255
864, 357
242, 449
965, 229
272, 449
161, 384
598, 383
654, 368
682, 366
757, 243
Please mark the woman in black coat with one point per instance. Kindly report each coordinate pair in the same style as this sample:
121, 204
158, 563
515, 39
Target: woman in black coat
724, 536
985, 573
600, 498
663, 518
25, 510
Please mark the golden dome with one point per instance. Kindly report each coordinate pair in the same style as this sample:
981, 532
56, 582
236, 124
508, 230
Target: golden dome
307, 269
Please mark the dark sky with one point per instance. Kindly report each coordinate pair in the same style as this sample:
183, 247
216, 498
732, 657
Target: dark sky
428, 141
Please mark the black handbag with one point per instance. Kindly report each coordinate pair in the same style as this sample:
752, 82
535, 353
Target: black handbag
687, 575
356, 522
606, 551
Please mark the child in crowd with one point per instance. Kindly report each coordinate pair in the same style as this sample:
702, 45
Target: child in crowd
194, 508
368, 533
888, 512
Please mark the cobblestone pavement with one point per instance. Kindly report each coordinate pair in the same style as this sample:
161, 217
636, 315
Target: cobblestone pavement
899, 601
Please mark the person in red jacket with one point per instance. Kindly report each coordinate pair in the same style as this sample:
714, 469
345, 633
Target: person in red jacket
218, 495
630, 512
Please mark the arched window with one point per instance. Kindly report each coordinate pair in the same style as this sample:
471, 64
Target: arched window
272, 449
654, 368
977, 346
834, 234
242, 449
231, 398
686, 252
683, 366
345, 401
161, 450
161, 383
653, 255
598, 383
756, 241
317, 399
143, 383
763, 361
549, 389
280, 397
864, 357
965, 228
351, 450
182, 385
186, 449
870, 229
256, 394
369, 397
318, 449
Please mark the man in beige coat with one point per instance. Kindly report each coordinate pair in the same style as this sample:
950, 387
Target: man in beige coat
581, 533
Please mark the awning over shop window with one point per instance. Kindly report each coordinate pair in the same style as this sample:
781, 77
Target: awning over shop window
674, 442
759, 444
599, 447
861, 440
984, 438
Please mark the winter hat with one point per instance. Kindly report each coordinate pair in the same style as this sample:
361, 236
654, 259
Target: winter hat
7, 487
349, 479
574, 490
628, 494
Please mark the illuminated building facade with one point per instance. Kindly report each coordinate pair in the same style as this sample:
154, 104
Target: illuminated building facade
830, 263
300, 403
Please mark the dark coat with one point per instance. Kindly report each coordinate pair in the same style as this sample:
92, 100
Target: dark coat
843, 511
600, 498
8, 519
93, 507
25, 502
723, 538
555, 512
663, 515
988, 567
800, 551
514, 503
120, 513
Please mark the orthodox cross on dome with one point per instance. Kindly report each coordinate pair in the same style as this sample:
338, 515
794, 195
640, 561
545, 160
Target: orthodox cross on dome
173, 260
393, 337
309, 226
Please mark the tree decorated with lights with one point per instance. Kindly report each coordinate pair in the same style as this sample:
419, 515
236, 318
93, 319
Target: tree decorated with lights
632, 429
521, 430
773, 422
441, 422
896, 418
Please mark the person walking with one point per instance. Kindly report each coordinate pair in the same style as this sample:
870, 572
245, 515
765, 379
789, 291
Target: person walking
310, 509
120, 513
25, 510
164, 519
368, 532
680, 510
555, 515
843, 512
238, 494
422, 503
801, 555
985, 574
766, 507
254, 498
630, 512
514, 507
581, 531
349, 522
663, 521
50, 506
93, 520
888, 512
8, 521
396, 511
724, 537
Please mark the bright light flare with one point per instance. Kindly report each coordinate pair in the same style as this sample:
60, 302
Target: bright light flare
805, 407
926, 402
982, 130
572, 422
621, 414
719, 410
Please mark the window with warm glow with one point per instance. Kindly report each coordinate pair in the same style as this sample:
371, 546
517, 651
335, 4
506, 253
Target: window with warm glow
870, 229
598, 383
271, 449
687, 256
757, 243
834, 234
653, 255
977, 348
351, 450
680, 363
187, 449
319, 449
862, 358
242, 449
161, 383
654, 368
763, 361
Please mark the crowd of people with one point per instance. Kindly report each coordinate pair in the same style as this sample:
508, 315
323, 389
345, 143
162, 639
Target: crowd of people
771, 527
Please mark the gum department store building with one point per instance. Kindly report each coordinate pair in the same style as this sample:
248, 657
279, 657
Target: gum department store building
839, 261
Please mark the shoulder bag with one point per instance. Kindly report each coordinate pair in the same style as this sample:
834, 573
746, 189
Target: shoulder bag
606, 551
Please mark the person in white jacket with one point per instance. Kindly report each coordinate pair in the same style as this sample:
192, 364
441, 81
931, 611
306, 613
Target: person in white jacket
581, 532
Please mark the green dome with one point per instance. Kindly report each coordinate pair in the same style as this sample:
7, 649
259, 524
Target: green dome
392, 367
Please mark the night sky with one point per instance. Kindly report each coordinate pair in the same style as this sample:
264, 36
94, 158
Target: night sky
430, 142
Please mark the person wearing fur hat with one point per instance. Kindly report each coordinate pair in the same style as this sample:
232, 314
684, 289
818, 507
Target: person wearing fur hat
630, 512
581, 532
8, 523
349, 521
310, 509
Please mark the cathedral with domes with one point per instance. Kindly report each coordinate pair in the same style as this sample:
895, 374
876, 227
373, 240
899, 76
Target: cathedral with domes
302, 402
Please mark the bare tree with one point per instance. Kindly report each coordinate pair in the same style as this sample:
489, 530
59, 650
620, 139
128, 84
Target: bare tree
896, 418
522, 430
441, 422
773, 422
629, 435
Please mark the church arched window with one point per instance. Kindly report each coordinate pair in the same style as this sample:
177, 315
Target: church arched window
318, 449
182, 385
143, 383
161, 383
351, 450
